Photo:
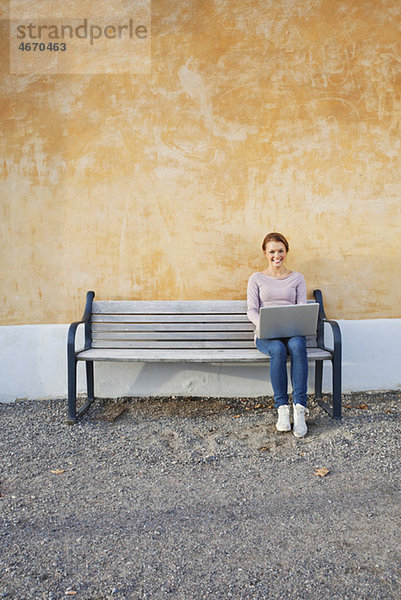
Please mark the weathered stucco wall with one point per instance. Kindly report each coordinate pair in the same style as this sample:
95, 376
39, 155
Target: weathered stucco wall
258, 115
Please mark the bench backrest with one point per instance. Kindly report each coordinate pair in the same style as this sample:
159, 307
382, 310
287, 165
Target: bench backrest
216, 324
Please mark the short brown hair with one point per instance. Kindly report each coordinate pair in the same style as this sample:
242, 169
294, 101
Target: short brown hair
275, 237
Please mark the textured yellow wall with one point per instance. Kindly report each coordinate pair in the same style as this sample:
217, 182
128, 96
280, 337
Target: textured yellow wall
258, 115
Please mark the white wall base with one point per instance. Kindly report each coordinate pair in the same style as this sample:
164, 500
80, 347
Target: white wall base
33, 364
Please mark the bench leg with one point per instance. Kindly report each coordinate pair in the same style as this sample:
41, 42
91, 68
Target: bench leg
318, 378
90, 380
318, 387
73, 414
72, 391
334, 410
90, 387
337, 389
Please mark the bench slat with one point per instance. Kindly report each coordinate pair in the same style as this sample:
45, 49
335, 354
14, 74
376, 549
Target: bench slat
165, 306
175, 355
100, 327
164, 318
172, 335
183, 343
173, 344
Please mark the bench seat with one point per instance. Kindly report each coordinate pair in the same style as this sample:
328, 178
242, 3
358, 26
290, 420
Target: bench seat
229, 355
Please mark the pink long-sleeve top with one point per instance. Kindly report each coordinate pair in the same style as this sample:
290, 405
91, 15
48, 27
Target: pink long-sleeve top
269, 291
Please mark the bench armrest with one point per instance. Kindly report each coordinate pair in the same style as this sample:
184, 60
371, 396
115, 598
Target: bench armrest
335, 328
336, 332
86, 320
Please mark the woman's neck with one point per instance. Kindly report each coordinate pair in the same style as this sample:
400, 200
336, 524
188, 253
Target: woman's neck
277, 273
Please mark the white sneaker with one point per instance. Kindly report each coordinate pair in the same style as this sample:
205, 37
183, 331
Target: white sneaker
300, 428
283, 423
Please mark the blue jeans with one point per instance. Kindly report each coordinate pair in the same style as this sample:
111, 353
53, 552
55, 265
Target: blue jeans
277, 349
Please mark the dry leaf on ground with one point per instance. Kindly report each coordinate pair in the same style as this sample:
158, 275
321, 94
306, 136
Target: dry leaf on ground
322, 472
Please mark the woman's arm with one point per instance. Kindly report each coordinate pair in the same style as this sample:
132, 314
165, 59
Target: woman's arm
301, 290
253, 301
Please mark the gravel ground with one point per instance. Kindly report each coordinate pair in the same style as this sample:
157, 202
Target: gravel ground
199, 498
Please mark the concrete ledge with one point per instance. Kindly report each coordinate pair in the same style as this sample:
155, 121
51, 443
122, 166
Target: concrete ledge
33, 364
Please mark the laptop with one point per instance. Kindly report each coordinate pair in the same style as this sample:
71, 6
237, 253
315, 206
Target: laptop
287, 320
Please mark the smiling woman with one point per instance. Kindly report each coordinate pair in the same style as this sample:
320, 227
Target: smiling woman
277, 285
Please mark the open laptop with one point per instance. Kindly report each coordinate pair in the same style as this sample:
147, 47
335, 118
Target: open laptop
287, 320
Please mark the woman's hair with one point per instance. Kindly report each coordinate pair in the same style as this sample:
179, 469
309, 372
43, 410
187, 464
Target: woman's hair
275, 237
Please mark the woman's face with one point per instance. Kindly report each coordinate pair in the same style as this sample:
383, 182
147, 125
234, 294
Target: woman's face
275, 253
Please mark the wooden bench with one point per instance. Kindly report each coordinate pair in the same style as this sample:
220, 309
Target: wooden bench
184, 332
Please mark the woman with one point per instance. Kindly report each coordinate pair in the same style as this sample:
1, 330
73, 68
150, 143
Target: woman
273, 286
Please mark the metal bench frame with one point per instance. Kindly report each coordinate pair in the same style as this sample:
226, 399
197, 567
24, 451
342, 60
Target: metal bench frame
215, 332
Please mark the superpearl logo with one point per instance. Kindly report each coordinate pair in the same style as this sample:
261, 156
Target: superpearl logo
80, 37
